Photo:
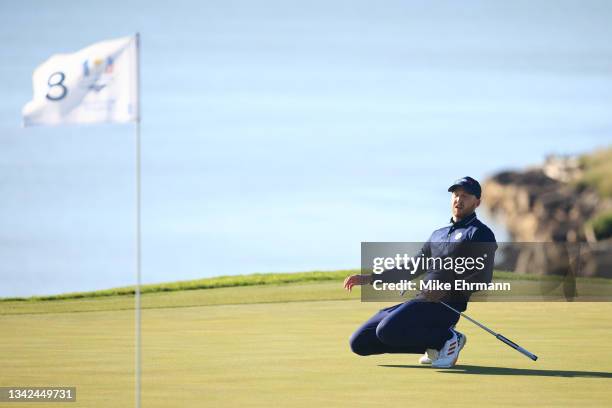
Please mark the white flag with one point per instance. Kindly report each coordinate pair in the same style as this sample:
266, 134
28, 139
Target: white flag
96, 84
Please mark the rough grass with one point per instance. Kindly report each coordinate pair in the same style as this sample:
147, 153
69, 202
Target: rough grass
273, 288
602, 225
257, 279
204, 283
598, 171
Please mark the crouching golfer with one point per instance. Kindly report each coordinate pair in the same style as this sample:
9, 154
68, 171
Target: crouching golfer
423, 325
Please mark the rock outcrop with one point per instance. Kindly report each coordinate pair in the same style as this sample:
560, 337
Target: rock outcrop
544, 204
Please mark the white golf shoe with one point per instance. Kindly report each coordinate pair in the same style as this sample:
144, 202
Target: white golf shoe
429, 356
449, 353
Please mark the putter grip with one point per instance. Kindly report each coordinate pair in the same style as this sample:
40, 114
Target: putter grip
516, 347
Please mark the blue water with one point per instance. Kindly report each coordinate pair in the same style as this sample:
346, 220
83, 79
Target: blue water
278, 135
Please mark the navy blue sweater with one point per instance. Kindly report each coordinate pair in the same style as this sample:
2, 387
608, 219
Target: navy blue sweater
468, 238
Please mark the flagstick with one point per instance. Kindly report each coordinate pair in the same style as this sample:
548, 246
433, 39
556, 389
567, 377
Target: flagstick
138, 267
138, 236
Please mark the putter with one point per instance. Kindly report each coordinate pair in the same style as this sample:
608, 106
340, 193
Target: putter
497, 335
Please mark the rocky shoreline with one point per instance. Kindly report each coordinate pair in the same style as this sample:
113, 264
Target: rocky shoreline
546, 204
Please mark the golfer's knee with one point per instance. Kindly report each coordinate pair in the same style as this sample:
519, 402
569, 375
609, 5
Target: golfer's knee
386, 332
358, 346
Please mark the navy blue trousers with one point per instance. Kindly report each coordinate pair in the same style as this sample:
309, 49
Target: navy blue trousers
409, 327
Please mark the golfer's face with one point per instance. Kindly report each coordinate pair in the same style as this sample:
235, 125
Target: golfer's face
463, 203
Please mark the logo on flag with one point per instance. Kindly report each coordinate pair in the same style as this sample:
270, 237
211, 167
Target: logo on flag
96, 84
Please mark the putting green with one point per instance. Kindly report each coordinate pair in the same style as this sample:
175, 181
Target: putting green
295, 354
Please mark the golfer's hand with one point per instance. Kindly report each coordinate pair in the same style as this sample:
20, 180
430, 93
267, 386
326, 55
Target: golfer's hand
353, 280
